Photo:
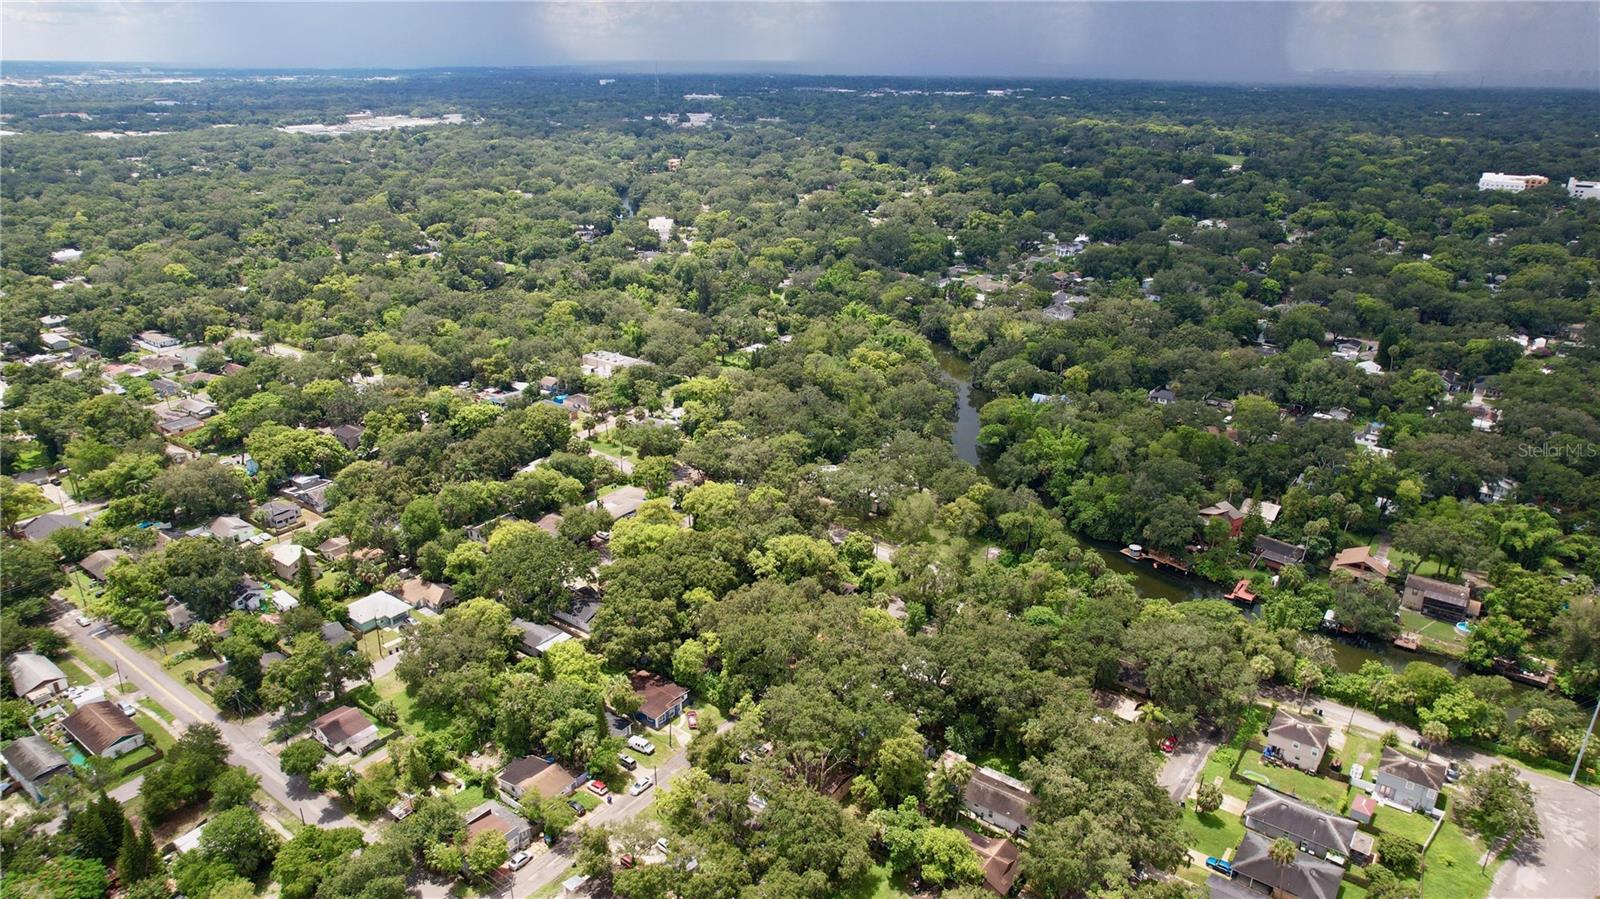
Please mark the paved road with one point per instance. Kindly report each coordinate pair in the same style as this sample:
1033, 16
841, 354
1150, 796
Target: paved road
1566, 863
186, 708
1182, 767
69, 506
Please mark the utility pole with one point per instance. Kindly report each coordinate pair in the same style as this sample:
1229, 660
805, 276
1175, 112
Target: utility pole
1584, 746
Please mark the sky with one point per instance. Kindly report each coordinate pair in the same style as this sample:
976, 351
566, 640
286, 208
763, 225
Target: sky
1551, 44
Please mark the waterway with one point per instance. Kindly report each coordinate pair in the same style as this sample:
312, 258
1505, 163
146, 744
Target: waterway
1149, 582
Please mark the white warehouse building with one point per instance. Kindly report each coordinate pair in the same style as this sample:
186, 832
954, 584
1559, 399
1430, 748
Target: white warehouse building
1583, 190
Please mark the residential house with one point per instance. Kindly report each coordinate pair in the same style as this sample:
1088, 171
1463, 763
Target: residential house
420, 594
334, 548
538, 638
1275, 553
278, 514
40, 527
577, 404
349, 436
166, 388
345, 728
179, 616
1409, 782
249, 595
1299, 741
36, 678
604, 363
492, 815
1363, 808
100, 562
1315, 831
535, 774
623, 501
155, 340
309, 490
103, 730
1304, 878
999, 859
282, 600
550, 523
1161, 396
1439, 599
380, 609
179, 425
232, 527
662, 700
31, 762
1360, 563
1236, 515
578, 618
334, 634
996, 799
286, 559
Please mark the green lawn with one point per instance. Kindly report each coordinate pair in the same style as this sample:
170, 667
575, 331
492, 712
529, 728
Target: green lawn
122, 767
587, 798
1411, 825
1432, 628
615, 449
470, 798
96, 665
1217, 767
157, 709
1348, 890
1230, 158
1319, 791
1216, 833
153, 730
1451, 866
1360, 748
77, 675
1005, 764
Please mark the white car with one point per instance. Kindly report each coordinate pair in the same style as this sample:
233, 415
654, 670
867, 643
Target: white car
82, 619
518, 860
644, 782
127, 708
641, 744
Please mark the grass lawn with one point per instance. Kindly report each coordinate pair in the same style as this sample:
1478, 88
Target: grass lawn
587, 798
615, 449
1432, 628
122, 767
77, 675
1348, 890
1412, 826
1360, 748
90, 662
1005, 764
412, 720
157, 709
1319, 791
153, 730
1217, 766
470, 798
1451, 866
878, 884
1216, 833
1230, 158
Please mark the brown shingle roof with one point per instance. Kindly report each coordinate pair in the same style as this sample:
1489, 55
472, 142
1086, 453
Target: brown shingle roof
658, 693
341, 724
97, 725
998, 858
99, 562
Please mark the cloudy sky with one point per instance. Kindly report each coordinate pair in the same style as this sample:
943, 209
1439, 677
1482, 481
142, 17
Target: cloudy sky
1521, 43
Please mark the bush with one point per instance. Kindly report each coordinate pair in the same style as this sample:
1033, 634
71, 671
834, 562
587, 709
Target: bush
1400, 855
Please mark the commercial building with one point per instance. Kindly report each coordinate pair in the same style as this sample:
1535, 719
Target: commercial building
1513, 183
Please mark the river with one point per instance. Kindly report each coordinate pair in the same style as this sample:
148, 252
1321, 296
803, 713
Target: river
1149, 583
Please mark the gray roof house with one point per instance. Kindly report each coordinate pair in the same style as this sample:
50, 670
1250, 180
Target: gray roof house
1300, 741
1306, 878
538, 638
41, 526
36, 678
1313, 830
32, 761
493, 816
995, 798
1409, 782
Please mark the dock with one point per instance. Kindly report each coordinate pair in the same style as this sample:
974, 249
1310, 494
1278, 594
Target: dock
1156, 558
1241, 592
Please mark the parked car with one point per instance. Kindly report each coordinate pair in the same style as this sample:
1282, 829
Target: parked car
598, 787
641, 744
127, 708
82, 619
627, 761
577, 807
1169, 744
644, 782
1452, 773
693, 717
1220, 866
518, 860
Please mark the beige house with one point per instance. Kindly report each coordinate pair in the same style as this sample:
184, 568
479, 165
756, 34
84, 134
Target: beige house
1299, 741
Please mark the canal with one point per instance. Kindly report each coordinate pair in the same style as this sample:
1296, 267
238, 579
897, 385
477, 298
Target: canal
1149, 583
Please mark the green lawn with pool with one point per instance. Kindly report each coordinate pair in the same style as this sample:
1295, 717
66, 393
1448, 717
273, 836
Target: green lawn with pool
1322, 792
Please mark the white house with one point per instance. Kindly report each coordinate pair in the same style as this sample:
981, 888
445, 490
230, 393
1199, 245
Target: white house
287, 558
380, 609
1512, 183
1583, 190
662, 225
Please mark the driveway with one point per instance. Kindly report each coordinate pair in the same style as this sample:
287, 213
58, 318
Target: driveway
186, 708
1183, 766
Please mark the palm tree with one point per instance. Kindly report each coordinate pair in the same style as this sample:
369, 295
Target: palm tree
1434, 733
1283, 851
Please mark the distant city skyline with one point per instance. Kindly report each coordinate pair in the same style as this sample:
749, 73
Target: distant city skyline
1550, 44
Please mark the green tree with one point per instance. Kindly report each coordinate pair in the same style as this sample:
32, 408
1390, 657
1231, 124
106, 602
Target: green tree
1498, 806
311, 856
239, 838
301, 757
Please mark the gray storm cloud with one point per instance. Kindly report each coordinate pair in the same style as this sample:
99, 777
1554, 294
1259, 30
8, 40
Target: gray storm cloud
1499, 43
